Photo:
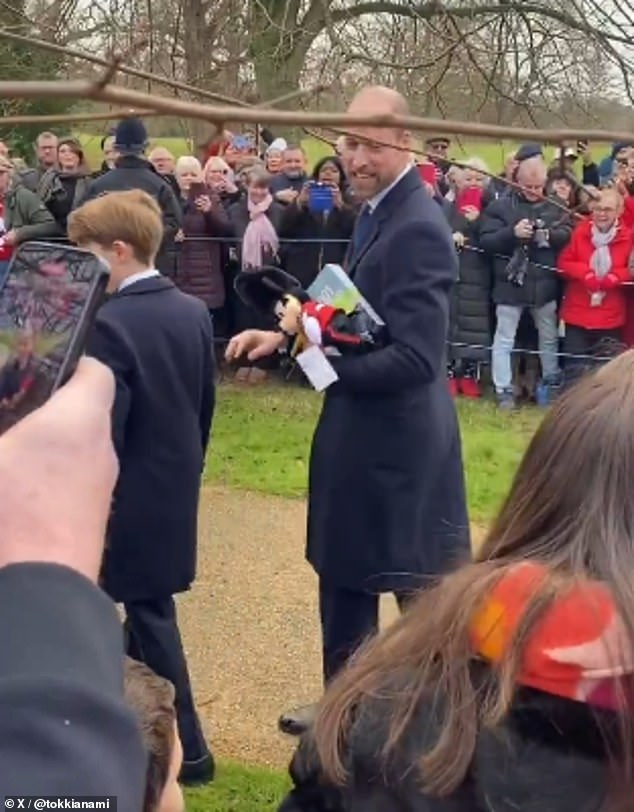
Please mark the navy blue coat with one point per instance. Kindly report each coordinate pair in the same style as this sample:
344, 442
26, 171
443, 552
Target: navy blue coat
158, 343
386, 502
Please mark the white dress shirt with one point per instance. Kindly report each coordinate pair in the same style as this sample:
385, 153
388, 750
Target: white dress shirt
137, 277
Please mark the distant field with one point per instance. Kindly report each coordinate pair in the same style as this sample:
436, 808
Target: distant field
491, 152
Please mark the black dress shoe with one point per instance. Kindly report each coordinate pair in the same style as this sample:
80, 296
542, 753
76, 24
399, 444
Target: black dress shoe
297, 721
198, 772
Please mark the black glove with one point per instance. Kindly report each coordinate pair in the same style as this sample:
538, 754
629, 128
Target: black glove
517, 267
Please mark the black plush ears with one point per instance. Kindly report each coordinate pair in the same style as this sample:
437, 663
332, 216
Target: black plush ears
262, 288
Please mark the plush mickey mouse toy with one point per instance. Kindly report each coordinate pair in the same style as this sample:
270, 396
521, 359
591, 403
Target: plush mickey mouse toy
273, 291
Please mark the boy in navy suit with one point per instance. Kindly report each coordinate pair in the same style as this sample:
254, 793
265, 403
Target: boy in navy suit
158, 343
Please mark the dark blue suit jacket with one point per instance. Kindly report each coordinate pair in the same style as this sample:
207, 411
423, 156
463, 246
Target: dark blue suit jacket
386, 495
158, 342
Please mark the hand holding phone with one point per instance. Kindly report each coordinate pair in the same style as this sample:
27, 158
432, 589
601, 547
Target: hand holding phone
470, 199
48, 302
427, 172
197, 189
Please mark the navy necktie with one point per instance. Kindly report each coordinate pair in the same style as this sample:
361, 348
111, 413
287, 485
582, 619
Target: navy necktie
362, 230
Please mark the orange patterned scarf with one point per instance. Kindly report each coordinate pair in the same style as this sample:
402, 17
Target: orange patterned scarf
578, 649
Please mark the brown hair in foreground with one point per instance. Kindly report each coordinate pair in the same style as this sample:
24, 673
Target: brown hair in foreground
570, 508
151, 698
131, 217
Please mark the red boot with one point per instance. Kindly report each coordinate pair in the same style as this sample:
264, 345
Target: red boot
469, 387
452, 383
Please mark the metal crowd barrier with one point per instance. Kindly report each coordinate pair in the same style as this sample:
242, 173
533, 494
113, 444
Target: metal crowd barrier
233, 242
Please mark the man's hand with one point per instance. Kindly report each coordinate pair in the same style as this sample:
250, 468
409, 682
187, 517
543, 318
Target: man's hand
255, 344
286, 195
179, 236
58, 468
458, 239
524, 229
302, 197
471, 213
11, 237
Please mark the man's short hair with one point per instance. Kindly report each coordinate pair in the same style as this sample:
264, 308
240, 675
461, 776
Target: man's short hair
151, 698
46, 136
295, 148
132, 217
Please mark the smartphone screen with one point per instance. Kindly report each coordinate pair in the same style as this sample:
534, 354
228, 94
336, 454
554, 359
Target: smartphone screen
197, 189
47, 304
470, 197
428, 173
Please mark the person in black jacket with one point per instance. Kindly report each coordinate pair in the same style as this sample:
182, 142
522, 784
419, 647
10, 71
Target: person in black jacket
470, 315
65, 728
523, 233
508, 686
132, 171
159, 344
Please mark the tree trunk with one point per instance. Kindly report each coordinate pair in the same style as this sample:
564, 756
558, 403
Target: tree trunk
278, 47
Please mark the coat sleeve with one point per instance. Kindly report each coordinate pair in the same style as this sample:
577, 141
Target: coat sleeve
106, 345
415, 307
559, 235
217, 220
171, 211
65, 728
569, 263
290, 220
91, 191
496, 234
40, 223
208, 400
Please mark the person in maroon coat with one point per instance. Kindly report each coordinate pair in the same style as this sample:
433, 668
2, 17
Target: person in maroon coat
205, 223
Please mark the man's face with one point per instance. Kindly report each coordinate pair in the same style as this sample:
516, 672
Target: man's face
373, 158
532, 182
163, 162
47, 151
294, 163
438, 149
606, 209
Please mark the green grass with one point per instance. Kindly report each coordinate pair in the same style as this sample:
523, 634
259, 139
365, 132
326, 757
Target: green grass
261, 441
240, 789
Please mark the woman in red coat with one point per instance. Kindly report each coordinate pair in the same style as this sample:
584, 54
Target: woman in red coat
595, 265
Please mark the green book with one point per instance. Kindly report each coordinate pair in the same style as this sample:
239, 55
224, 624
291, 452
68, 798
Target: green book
333, 286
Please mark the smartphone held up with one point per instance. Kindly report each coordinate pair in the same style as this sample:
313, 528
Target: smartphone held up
48, 302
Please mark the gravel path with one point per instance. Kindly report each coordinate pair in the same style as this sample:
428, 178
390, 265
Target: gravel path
250, 623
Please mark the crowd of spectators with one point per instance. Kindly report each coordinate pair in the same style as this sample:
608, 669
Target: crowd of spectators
533, 305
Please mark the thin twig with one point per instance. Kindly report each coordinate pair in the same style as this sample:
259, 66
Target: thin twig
53, 47
110, 72
295, 94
